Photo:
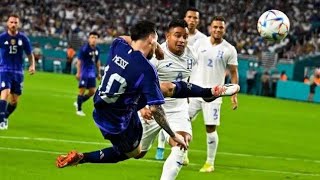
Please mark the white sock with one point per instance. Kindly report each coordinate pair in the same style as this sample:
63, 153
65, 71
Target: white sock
173, 164
212, 146
185, 154
161, 140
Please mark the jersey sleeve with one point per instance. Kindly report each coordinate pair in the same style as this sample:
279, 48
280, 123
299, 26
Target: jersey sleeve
233, 59
81, 54
27, 45
151, 88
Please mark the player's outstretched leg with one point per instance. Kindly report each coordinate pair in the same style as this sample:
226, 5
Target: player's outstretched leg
107, 155
224, 90
161, 146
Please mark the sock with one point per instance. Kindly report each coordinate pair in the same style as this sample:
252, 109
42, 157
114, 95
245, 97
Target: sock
79, 101
185, 155
107, 155
212, 146
184, 90
161, 140
85, 98
173, 164
3, 110
10, 109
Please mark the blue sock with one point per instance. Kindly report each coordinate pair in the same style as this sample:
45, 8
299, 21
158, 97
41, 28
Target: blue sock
85, 98
107, 155
10, 109
3, 110
79, 101
184, 90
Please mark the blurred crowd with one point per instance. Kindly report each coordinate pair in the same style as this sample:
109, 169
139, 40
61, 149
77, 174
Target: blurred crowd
111, 18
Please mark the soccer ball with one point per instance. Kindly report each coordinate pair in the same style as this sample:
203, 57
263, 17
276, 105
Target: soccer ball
273, 25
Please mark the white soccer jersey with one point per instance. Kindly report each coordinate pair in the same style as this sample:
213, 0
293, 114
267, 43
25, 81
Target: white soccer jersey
175, 68
212, 63
192, 38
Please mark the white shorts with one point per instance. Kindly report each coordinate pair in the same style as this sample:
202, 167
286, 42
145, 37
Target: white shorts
177, 121
210, 110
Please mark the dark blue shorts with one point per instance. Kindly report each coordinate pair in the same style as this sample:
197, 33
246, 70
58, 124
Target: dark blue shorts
12, 81
128, 139
87, 83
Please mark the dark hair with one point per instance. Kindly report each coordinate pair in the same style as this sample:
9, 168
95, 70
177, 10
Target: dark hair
177, 23
142, 30
191, 9
14, 15
218, 18
94, 33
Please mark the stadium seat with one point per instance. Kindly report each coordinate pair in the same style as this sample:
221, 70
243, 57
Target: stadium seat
57, 67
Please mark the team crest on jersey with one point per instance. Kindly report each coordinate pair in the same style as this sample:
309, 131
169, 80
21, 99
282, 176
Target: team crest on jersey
19, 42
220, 54
6, 43
12, 41
3, 84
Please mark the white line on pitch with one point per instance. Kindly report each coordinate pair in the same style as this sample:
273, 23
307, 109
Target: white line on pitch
154, 161
191, 150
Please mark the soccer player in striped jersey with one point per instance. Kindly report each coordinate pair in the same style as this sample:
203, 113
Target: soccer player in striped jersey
12, 45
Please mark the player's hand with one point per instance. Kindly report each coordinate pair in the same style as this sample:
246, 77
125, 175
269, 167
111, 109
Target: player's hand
78, 76
32, 70
234, 101
181, 141
146, 114
159, 52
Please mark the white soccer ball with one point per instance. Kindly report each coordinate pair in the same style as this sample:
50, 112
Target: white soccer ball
273, 25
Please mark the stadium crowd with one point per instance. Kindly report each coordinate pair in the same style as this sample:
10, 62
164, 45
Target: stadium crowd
111, 18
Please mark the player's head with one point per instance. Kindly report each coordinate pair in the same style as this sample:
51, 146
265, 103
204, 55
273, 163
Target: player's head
145, 31
192, 17
93, 37
13, 23
218, 27
177, 36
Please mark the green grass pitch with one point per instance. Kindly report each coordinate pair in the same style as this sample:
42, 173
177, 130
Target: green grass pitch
265, 138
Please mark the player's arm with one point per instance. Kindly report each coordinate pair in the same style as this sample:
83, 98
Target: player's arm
78, 65
32, 66
234, 80
98, 64
28, 50
160, 117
